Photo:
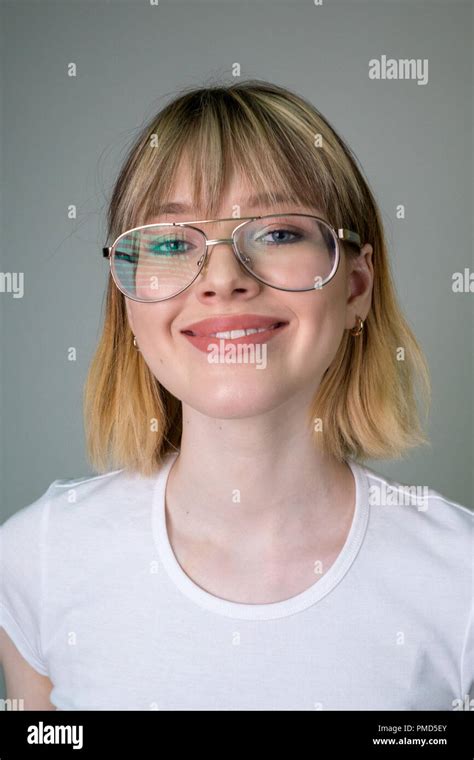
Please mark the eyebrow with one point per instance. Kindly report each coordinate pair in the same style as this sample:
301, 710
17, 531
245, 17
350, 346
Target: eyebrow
253, 201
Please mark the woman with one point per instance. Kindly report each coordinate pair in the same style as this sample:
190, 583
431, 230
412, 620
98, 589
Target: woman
240, 555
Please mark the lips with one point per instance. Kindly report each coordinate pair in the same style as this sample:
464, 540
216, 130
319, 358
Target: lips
210, 327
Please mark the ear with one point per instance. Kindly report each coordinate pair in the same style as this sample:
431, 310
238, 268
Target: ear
359, 285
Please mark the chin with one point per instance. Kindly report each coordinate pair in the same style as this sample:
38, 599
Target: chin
234, 400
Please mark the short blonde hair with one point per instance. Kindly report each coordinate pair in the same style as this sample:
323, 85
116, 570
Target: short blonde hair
280, 142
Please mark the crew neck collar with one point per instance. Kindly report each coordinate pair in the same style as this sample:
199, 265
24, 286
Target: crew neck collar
270, 610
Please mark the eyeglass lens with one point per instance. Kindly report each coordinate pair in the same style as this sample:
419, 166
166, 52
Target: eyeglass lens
290, 252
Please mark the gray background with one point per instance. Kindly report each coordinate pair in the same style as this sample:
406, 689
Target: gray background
62, 141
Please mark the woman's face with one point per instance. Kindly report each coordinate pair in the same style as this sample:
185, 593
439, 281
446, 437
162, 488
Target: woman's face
290, 361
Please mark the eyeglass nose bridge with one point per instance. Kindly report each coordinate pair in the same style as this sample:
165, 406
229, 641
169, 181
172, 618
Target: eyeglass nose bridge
231, 242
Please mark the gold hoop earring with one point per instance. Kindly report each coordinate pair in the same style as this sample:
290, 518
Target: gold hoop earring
135, 343
356, 331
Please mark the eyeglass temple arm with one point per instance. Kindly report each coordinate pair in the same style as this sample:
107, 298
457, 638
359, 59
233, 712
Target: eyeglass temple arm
349, 236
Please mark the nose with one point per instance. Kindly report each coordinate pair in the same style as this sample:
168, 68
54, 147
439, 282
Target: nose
217, 241
226, 273
210, 246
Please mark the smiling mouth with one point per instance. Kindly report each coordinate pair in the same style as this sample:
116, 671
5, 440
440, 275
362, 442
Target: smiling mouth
235, 334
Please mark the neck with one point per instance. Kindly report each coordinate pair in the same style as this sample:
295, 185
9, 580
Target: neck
261, 479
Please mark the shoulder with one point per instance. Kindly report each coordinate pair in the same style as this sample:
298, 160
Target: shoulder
74, 510
384, 490
71, 509
425, 519
29, 521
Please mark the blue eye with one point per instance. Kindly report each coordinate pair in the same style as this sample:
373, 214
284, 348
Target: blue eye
295, 237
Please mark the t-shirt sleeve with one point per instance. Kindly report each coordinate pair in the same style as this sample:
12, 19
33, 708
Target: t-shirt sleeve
22, 541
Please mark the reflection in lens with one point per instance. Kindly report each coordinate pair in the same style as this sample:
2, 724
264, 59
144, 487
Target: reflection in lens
156, 262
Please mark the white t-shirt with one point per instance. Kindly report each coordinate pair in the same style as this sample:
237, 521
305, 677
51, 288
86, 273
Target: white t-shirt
94, 597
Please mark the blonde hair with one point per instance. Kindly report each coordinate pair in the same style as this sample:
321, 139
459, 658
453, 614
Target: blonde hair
367, 397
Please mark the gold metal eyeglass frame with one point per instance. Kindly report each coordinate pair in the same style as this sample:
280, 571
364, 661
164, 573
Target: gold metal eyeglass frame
346, 235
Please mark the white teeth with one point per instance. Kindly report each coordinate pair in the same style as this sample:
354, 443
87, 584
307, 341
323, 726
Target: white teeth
239, 333
233, 334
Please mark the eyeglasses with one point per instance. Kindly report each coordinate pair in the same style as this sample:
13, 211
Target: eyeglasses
292, 252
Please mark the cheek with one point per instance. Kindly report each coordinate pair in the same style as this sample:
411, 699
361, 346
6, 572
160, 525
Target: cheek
148, 320
150, 324
320, 328
320, 315
160, 346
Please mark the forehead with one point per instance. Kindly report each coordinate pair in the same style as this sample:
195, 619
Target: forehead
250, 205
239, 198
